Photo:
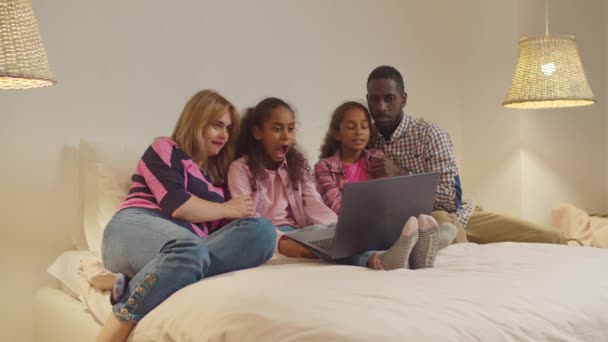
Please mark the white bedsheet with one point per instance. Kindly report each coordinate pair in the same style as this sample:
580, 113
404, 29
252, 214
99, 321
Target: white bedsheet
497, 292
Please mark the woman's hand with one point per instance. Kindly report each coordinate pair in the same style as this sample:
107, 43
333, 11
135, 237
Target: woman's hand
292, 249
239, 207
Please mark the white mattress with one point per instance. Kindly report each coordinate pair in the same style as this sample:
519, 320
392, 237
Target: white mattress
58, 317
497, 292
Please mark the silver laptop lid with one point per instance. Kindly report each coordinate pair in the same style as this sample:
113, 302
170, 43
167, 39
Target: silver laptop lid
373, 213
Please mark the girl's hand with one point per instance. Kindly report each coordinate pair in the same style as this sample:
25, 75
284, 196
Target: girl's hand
239, 207
383, 166
292, 249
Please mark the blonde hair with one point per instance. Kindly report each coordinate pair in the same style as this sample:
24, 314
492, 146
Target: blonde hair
200, 112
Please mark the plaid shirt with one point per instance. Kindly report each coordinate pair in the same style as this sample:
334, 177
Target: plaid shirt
418, 147
330, 177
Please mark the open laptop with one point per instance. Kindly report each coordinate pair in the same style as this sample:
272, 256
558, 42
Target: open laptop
372, 215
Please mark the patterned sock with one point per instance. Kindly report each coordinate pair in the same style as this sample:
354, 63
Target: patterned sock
397, 256
118, 289
447, 233
425, 251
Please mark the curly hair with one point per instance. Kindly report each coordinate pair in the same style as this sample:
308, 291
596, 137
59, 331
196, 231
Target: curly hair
330, 144
247, 145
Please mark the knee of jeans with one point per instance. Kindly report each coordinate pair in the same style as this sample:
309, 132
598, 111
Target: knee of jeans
191, 250
263, 235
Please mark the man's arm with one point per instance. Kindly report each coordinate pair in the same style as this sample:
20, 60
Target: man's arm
439, 156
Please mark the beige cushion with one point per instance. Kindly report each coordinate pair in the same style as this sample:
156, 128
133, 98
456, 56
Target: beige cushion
576, 223
106, 170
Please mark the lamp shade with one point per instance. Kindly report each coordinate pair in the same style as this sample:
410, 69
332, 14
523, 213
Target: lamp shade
548, 74
23, 62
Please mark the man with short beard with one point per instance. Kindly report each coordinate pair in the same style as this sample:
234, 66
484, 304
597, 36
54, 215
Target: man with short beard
413, 145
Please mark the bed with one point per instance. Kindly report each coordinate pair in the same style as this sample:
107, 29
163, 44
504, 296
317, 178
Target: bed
496, 292
59, 317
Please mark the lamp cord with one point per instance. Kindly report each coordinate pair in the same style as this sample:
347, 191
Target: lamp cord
546, 17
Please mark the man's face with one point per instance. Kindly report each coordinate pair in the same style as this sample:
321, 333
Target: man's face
385, 101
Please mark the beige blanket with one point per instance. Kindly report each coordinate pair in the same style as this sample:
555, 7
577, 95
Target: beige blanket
497, 292
576, 223
494, 292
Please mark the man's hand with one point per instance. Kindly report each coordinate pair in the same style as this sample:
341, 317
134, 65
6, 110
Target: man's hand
293, 249
383, 166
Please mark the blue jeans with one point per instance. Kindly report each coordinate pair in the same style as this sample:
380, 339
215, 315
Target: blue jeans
161, 257
355, 260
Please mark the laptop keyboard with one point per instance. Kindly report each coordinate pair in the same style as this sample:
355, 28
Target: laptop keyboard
325, 244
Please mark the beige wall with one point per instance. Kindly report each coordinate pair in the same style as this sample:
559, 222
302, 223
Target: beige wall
605, 83
564, 150
126, 68
491, 133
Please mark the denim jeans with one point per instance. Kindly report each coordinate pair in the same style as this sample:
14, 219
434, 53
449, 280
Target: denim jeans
161, 257
355, 260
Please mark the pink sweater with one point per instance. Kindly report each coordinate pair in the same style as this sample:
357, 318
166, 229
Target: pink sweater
277, 201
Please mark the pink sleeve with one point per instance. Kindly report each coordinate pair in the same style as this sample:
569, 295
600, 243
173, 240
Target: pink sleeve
238, 179
327, 187
316, 211
164, 175
239, 184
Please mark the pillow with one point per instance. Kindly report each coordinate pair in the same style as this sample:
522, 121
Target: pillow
82, 275
65, 270
106, 170
576, 223
96, 300
111, 191
95, 287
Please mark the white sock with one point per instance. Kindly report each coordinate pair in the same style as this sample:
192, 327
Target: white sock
397, 256
425, 251
447, 233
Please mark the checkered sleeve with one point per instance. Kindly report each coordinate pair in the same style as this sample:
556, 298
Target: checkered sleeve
441, 158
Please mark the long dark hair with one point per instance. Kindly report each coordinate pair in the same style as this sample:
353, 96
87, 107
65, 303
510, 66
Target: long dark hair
298, 168
330, 144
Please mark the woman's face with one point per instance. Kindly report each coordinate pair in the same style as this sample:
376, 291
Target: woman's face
216, 135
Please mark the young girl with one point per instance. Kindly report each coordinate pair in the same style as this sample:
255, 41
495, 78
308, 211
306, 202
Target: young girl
344, 158
276, 174
171, 229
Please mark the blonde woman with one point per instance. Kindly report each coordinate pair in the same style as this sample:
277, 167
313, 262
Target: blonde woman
174, 227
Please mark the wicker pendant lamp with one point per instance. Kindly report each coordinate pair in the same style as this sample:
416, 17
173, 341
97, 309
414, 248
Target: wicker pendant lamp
23, 62
548, 74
